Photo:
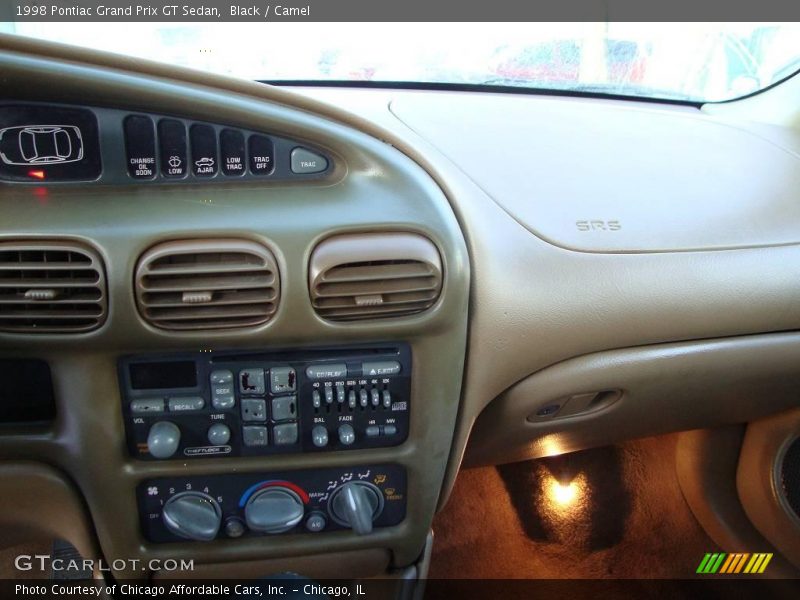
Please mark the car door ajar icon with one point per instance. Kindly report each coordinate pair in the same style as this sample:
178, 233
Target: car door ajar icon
41, 144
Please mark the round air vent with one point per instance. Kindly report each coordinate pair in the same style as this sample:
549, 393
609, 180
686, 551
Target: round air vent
372, 276
207, 284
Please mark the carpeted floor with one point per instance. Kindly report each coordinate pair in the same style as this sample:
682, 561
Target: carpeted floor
610, 512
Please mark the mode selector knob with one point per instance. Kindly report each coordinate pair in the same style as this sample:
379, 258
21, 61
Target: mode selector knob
356, 505
192, 515
274, 510
163, 439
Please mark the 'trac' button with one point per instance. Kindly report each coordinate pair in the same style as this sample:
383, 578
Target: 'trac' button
305, 161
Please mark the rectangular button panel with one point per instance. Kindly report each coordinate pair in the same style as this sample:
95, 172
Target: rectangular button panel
277, 402
49, 144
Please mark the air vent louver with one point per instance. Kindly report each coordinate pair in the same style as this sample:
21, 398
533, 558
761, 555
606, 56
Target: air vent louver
207, 284
373, 276
50, 287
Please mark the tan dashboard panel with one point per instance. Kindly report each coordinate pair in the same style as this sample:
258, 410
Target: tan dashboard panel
372, 187
601, 176
38, 500
535, 304
532, 303
664, 388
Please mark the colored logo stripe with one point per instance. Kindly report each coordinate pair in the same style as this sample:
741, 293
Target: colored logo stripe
731, 564
711, 562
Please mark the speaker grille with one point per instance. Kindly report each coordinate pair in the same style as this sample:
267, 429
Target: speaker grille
790, 476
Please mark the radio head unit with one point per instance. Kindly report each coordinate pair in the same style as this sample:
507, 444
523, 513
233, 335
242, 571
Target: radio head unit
203, 404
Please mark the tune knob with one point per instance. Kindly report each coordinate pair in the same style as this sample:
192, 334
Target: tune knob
356, 505
192, 515
274, 510
163, 439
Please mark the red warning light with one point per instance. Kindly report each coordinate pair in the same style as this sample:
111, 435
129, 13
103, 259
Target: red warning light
36, 174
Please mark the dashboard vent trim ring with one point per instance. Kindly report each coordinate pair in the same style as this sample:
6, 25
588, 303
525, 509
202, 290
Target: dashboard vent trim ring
197, 285
51, 286
356, 277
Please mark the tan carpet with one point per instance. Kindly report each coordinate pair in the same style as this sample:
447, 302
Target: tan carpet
627, 518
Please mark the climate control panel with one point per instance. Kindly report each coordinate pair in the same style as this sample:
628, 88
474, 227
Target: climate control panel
232, 506
224, 404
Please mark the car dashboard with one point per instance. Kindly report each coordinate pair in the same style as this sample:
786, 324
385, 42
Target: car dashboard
263, 328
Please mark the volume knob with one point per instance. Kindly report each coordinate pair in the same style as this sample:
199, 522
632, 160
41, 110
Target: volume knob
192, 515
163, 439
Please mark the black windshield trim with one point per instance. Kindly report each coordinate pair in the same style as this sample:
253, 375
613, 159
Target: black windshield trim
469, 87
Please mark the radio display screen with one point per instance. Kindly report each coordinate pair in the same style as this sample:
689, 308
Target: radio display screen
163, 375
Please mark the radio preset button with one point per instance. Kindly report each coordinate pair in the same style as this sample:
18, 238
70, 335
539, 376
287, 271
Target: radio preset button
147, 405
251, 381
329, 371
253, 435
285, 435
219, 434
186, 404
284, 408
254, 409
282, 380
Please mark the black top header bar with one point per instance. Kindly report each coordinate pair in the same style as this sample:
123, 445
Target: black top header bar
399, 11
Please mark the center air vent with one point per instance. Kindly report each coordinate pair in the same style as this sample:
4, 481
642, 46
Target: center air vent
372, 276
207, 284
50, 287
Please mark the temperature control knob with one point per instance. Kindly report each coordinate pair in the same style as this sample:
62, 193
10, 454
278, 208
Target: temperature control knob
356, 505
163, 439
274, 510
192, 515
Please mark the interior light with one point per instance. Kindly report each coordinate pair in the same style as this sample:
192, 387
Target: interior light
36, 173
564, 494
